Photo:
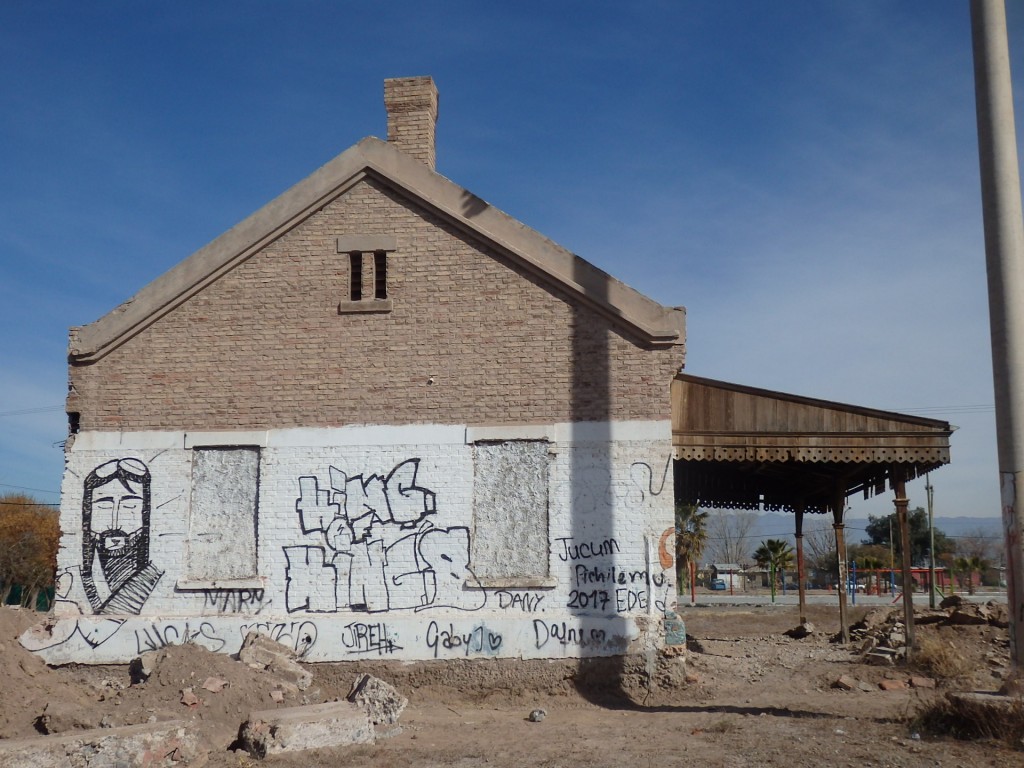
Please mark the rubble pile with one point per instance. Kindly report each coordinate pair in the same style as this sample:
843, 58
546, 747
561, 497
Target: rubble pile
186, 703
880, 638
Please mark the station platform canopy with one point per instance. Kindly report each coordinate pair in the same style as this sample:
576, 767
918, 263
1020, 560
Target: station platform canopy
738, 447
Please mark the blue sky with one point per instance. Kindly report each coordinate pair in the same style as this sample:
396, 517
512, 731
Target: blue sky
802, 176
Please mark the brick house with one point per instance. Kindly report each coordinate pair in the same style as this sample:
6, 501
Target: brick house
378, 416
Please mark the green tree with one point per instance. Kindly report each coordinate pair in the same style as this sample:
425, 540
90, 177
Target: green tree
967, 567
29, 537
776, 554
872, 565
691, 537
878, 529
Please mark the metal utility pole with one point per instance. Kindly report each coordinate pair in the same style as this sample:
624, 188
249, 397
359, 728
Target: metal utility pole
930, 491
1004, 257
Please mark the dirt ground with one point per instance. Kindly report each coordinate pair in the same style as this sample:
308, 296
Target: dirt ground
743, 694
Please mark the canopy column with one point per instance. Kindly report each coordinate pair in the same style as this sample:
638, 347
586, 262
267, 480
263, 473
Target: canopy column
800, 577
900, 491
838, 505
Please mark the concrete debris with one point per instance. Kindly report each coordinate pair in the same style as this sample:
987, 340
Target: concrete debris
294, 729
881, 636
133, 746
801, 631
262, 652
215, 684
966, 616
140, 668
381, 702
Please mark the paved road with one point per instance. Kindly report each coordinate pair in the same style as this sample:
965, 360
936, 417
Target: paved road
707, 599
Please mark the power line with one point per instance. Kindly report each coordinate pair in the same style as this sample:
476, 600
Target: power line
940, 409
27, 411
23, 488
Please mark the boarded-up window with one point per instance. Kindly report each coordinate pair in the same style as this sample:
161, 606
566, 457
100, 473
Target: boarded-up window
222, 514
510, 510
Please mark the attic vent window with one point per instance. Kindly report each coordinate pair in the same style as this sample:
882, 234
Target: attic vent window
367, 272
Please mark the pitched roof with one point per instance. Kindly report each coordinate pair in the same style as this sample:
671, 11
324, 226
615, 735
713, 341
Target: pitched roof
651, 323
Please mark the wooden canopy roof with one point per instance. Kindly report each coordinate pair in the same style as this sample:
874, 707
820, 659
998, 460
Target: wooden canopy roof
738, 447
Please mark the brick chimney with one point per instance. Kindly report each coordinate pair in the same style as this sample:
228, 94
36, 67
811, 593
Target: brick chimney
411, 103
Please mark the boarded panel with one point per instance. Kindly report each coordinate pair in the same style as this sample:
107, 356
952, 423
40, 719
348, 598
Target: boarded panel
222, 515
510, 509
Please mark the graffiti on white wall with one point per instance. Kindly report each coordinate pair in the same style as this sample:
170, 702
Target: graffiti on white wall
378, 548
117, 574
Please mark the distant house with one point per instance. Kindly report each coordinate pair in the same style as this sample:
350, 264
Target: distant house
730, 573
377, 417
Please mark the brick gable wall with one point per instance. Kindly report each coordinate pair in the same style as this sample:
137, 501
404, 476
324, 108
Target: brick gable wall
265, 347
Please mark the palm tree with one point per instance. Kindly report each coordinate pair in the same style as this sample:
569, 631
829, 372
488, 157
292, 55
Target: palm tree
691, 536
968, 566
777, 555
872, 565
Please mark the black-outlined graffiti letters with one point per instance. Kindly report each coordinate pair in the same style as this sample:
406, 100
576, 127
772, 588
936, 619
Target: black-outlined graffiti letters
156, 635
117, 574
251, 601
641, 477
300, 636
380, 549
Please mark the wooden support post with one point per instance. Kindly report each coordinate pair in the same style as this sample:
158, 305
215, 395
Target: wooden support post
801, 586
900, 492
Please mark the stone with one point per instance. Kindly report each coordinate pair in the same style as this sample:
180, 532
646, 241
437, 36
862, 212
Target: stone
59, 716
537, 715
381, 701
917, 681
801, 631
189, 699
893, 685
215, 684
878, 659
295, 729
845, 683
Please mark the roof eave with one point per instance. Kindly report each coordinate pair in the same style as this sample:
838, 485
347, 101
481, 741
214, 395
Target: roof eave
655, 324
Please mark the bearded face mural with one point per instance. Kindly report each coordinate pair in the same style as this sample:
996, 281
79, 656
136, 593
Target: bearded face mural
117, 574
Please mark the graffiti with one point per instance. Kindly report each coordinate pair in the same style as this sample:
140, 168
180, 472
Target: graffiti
234, 600
300, 636
477, 640
612, 574
369, 638
380, 551
598, 598
117, 574
562, 633
156, 636
630, 600
665, 554
526, 601
586, 550
641, 476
